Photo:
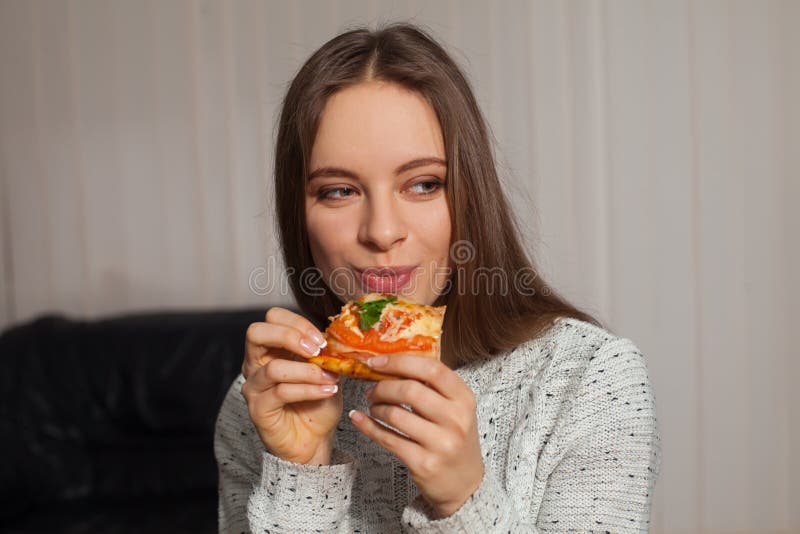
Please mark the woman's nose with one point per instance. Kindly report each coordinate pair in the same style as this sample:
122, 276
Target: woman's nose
382, 224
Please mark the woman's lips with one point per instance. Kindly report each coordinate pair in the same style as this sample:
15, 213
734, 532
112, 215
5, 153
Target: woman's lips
385, 279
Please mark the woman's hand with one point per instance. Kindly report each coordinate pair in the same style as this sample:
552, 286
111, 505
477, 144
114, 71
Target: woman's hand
293, 404
442, 451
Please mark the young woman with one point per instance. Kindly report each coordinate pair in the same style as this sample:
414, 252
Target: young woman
536, 419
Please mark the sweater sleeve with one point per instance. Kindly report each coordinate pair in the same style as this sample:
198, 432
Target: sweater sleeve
259, 492
606, 457
301, 498
487, 510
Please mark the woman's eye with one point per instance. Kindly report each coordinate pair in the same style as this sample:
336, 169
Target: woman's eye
426, 188
336, 193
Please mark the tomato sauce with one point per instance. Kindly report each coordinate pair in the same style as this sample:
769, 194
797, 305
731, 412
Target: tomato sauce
372, 340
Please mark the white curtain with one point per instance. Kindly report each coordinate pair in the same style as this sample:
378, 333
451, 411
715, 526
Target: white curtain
652, 149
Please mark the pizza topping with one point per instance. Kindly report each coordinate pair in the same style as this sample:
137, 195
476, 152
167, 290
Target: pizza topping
399, 322
372, 341
383, 323
394, 321
370, 312
348, 320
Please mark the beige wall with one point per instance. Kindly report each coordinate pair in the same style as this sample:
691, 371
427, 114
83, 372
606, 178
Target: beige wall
652, 148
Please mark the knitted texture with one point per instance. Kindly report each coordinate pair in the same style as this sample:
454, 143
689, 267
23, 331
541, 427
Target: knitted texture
568, 432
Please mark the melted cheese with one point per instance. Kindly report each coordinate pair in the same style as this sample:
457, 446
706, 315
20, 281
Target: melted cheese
424, 321
350, 320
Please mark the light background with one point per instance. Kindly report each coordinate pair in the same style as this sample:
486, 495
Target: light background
651, 149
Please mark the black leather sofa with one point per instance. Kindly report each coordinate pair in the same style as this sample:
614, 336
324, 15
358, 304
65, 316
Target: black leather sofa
107, 426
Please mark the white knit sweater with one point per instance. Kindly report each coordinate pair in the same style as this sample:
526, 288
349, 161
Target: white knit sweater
568, 433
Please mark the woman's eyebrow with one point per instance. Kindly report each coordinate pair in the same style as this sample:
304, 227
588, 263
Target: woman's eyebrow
413, 164
419, 162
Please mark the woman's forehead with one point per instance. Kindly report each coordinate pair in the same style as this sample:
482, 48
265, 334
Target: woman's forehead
373, 122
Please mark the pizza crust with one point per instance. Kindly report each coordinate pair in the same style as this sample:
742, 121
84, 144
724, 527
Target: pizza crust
349, 367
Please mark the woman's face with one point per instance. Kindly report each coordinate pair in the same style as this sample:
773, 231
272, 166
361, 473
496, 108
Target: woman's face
375, 202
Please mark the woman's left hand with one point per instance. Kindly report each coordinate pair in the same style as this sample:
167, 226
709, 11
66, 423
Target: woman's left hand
442, 451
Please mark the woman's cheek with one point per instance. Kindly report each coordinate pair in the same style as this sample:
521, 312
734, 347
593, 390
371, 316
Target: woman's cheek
434, 227
329, 238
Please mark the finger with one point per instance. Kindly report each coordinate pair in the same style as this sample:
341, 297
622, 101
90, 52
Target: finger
252, 363
415, 427
403, 448
261, 337
298, 322
279, 371
423, 400
283, 394
428, 370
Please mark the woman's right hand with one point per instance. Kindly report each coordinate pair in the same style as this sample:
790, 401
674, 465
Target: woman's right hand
293, 404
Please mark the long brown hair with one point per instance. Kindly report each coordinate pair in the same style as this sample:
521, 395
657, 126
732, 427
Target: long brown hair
485, 237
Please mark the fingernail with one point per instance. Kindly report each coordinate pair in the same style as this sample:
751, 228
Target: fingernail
368, 390
377, 361
354, 415
329, 389
330, 376
317, 338
310, 347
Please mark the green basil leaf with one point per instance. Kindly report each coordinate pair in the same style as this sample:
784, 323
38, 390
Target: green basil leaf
370, 312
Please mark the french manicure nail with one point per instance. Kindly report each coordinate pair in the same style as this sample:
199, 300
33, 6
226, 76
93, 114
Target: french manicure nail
310, 347
329, 389
317, 338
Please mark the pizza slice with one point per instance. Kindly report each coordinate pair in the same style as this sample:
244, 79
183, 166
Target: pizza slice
379, 323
